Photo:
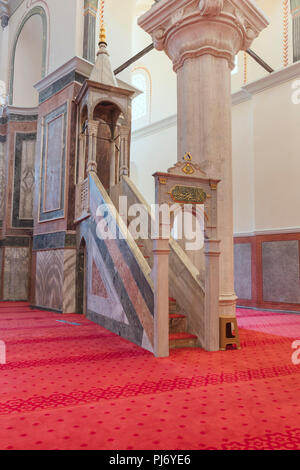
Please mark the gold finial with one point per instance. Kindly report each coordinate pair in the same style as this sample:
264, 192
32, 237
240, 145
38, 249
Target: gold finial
102, 35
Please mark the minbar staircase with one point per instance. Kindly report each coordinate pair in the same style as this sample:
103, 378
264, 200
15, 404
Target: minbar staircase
178, 336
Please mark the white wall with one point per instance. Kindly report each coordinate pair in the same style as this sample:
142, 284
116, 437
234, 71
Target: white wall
277, 158
154, 152
243, 168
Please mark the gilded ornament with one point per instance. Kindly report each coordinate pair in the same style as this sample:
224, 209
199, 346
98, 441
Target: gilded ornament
188, 195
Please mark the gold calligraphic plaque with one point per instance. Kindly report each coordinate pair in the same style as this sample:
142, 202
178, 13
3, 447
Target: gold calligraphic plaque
188, 195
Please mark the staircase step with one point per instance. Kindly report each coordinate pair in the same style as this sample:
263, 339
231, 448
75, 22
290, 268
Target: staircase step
177, 323
172, 309
182, 340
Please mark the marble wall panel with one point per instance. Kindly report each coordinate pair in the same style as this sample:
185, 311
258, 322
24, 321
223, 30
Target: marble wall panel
281, 274
69, 286
16, 273
243, 270
52, 190
27, 180
2, 177
49, 279
53, 164
24, 169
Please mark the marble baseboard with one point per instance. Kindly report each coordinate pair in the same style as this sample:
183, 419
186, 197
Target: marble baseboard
267, 271
50, 241
55, 279
16, 266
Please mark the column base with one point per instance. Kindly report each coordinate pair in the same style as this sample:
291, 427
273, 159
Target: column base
227, 305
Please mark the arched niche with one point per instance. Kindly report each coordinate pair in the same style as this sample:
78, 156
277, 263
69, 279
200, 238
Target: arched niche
108, 114
28, 58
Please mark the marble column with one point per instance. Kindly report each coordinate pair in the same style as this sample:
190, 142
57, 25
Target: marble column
295, 11
89, 34
112, 172
124, 151
81, 158
92, 136
202, 39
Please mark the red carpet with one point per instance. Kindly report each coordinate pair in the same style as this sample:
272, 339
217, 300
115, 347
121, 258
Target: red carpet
69, 386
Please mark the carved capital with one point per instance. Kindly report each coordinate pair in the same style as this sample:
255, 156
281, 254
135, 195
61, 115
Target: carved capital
187, 30
92, 127
211, 7
158, 38
91, 166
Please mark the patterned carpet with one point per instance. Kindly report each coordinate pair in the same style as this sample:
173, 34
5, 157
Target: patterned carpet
70, 384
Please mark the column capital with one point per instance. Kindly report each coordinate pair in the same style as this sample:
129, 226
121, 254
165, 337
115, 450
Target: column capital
92, 127
190, 28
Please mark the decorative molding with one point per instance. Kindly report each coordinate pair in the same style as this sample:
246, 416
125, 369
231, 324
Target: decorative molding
240, 97
276, 78
211, 7
278, 231
155, 127
54, 241
76, 64
13, 110
14, 242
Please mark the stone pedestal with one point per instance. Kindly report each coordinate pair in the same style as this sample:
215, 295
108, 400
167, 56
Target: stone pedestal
202, 39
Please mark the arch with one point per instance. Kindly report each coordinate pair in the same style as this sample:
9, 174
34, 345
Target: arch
110, 101
38, 10
188, 230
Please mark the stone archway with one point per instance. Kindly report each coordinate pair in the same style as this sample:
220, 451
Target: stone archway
36, 11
